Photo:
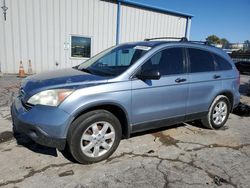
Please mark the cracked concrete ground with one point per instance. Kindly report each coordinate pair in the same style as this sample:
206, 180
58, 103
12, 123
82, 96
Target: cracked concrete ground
184, 155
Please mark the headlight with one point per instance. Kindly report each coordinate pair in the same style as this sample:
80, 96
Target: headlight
50, 97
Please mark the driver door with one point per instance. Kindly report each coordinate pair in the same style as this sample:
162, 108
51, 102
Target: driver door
161, 101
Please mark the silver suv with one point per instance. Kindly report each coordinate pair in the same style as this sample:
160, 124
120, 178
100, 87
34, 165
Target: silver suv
128, 88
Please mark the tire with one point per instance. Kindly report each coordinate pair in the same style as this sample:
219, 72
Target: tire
218, 113
93, 130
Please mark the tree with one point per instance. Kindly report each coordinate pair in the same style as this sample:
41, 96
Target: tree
213, 39
225, 43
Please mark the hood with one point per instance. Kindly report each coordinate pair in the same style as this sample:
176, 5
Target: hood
64, 78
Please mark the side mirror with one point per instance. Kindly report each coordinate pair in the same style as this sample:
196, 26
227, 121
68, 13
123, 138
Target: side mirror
149, 75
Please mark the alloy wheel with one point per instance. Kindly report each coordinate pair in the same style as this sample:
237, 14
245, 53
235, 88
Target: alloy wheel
219, 112
97, 139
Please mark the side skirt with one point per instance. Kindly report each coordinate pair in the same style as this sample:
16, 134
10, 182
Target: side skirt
166, 122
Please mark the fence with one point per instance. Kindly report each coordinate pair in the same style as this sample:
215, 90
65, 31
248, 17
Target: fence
240, 56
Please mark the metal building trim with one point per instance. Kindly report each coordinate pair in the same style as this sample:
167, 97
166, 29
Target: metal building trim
188, 26
118, 19
154, 8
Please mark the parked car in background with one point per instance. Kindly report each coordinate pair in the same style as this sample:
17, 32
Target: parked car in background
125, 89
243, 67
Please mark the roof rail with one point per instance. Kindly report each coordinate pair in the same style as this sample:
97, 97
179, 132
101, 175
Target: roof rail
200, 42
182, 39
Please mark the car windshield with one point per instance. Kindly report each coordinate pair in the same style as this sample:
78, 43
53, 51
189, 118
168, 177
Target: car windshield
114, 61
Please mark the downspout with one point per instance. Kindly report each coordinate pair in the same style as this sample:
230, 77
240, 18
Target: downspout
118, 22
188, 26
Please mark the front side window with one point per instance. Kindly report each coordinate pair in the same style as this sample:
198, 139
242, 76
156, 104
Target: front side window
80, 47
168, 62
115, 60
200, 61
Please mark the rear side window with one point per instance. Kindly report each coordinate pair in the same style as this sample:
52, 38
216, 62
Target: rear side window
200, 61
221, 63
168, 62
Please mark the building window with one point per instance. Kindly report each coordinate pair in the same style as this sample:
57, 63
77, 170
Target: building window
80, 47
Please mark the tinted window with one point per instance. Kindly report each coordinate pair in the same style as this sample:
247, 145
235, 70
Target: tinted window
168, 61
221, 63
200, 61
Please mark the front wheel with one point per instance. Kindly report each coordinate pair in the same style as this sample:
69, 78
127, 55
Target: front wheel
218, 113
94, 136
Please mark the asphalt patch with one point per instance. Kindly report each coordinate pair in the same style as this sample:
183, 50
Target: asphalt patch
165, 139
66, 173
7, 150
151, 151
242, 110
6, 136
218, 180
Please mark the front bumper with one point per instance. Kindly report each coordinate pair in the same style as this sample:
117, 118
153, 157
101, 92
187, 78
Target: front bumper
45, 125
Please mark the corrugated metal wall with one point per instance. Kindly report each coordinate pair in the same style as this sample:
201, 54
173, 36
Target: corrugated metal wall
40, 30
138, 24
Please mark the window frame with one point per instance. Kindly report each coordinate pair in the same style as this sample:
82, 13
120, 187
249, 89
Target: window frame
70, 46
189, 62
184, 55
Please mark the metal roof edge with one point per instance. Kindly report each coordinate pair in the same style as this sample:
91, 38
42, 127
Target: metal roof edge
154, 8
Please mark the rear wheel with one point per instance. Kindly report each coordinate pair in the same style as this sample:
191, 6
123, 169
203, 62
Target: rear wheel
94, 136
218, 113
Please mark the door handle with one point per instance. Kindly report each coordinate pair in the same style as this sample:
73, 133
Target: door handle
216, 76
178, 80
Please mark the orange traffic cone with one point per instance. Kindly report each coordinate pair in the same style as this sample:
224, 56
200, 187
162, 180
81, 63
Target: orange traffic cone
30, 68
21, 70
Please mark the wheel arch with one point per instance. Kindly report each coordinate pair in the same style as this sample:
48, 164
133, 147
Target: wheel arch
114, 108
229, 95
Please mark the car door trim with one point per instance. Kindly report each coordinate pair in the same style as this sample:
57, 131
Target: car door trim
138, 127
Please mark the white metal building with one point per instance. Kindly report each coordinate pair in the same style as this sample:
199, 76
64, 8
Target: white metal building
56, 34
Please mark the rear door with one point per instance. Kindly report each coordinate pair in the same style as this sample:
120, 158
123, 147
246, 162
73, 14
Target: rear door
204, 81
159, 100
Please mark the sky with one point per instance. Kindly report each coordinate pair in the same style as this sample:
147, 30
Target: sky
228, 19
